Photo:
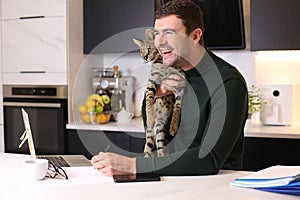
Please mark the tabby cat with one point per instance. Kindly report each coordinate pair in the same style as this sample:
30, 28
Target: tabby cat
163, 113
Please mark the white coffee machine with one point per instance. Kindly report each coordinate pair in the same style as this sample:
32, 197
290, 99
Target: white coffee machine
281, 104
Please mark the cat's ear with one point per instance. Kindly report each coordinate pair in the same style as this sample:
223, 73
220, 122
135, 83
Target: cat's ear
138, 42
149, 34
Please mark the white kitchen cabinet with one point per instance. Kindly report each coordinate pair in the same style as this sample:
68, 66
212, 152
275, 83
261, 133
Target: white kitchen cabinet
34, 42
14, 9
34, 45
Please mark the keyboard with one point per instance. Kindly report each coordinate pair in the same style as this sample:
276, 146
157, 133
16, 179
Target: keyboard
58, 161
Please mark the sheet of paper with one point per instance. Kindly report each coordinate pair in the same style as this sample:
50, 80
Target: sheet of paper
274, 172
80, 176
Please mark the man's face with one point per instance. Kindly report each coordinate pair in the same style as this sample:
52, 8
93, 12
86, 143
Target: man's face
171, 40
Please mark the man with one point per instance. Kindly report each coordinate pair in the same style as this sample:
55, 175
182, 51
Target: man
214, 110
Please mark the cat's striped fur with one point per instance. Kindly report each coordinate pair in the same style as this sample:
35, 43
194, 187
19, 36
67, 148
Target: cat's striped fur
163, 113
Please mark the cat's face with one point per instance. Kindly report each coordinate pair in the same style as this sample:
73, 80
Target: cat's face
148, 51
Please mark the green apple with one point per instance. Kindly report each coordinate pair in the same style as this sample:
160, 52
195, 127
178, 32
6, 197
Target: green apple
91, 109
105, 99
99, 109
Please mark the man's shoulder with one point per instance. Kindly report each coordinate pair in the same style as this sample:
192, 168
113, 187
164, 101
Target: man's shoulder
226, 70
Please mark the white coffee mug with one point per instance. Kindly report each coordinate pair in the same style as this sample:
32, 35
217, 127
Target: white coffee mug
36, 169
124, 116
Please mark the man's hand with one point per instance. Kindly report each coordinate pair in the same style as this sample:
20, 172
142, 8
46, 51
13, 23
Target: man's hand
110, 164
170, 84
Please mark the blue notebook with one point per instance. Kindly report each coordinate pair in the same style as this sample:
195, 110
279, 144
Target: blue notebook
292, 188
280, 179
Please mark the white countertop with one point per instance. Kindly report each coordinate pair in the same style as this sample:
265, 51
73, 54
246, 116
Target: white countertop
252, 129
135, 125
91, 185
256, 129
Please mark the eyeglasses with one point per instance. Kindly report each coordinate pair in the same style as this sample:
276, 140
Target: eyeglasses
56, 172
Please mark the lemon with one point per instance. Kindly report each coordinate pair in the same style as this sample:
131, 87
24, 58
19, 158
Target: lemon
86, 118
82, 109
90, 103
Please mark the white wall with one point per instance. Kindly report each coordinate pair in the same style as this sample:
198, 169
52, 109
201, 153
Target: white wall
277, 67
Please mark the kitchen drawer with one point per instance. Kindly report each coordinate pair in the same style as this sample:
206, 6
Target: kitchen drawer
35, 79
14, 9
34, 45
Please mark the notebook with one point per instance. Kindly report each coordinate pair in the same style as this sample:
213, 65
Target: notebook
278, 179
58, 160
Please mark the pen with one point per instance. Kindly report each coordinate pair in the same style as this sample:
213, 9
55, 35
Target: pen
106, 149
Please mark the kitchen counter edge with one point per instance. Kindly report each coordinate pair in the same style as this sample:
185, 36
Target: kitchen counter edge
252, 129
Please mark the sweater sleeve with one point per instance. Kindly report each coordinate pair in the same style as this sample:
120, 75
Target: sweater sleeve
219, 148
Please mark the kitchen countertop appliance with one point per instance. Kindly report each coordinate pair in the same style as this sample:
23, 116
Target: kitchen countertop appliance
281, 104
119, 89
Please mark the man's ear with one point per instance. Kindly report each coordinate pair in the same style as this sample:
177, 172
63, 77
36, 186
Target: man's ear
196, 35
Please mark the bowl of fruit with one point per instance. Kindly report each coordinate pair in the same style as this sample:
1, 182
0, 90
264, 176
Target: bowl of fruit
96, 110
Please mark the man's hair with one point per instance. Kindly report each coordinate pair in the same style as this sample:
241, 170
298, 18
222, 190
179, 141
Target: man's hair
188, 11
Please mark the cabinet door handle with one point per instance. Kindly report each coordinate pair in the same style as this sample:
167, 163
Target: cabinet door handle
32, 17
32, 72
32, 104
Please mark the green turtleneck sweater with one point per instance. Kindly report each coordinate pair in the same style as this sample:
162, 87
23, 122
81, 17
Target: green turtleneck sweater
211, 132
